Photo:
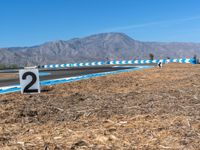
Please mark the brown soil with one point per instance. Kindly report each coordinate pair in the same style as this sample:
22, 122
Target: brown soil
8, 75
148, 109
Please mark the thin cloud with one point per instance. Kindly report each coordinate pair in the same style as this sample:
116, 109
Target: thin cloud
129, 27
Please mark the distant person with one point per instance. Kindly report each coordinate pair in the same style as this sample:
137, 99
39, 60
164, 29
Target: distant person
160, 64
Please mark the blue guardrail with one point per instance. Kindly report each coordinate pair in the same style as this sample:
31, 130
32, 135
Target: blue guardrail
119, 62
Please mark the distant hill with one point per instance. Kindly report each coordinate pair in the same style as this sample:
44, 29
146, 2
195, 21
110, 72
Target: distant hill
95, 48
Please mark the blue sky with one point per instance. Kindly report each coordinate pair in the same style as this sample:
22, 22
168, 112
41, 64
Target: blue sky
32, 22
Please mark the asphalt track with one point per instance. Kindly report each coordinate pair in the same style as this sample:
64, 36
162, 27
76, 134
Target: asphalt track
63, 73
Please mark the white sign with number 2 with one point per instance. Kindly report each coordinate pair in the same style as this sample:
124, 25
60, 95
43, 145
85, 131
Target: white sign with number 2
29, 81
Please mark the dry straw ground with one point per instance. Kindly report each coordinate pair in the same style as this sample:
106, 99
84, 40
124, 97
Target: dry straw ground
148, 109
7, 75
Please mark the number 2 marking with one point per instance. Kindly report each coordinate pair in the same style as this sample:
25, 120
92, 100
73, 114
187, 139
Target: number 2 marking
34, 79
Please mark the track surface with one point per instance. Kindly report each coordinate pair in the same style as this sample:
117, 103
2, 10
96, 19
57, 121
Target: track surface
63, 73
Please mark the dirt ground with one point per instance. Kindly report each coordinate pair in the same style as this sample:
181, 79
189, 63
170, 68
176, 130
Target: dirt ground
147, 109
7, 75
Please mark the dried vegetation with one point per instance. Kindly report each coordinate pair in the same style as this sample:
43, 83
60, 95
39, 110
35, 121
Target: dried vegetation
148, 109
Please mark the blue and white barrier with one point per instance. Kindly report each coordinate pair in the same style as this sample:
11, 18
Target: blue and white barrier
117, 62
74, 65
9, 89
15, 88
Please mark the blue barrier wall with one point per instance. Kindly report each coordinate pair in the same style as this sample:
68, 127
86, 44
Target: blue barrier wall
120, 62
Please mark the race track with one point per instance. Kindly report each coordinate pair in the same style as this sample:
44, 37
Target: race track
62, 73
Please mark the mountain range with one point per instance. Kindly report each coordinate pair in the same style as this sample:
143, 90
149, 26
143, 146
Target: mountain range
99, 47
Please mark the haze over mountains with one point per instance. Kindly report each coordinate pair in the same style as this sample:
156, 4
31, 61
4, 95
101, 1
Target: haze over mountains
112, 46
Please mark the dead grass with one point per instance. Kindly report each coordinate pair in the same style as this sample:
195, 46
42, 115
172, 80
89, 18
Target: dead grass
8, 75
148, 109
